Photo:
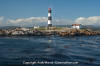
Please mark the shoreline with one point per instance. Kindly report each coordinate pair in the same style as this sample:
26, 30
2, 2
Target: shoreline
63, 32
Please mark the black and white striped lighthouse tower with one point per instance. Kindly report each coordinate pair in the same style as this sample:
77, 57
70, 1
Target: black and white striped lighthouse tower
49, 18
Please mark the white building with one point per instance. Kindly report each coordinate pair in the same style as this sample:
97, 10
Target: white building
77, 26
36, 27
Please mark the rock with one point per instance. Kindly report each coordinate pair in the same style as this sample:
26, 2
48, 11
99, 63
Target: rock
66, 46
91, 60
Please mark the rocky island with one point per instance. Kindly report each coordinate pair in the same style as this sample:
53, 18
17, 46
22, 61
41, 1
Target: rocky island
48, 32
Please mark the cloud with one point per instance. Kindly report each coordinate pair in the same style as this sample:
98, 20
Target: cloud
1, 19
37, 21
94, 20
30, 19
62, 21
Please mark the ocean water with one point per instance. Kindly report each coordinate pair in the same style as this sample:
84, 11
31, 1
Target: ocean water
57, 51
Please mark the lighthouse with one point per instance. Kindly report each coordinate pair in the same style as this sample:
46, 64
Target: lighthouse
49, 18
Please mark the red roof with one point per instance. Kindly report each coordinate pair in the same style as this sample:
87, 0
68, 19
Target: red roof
49, 8
75, 24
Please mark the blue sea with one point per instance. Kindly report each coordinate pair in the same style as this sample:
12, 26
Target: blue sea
50, 51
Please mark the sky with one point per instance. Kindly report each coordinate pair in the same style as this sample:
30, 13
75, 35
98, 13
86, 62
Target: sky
35, 12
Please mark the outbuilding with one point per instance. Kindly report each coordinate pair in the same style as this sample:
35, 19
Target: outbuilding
77, 26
